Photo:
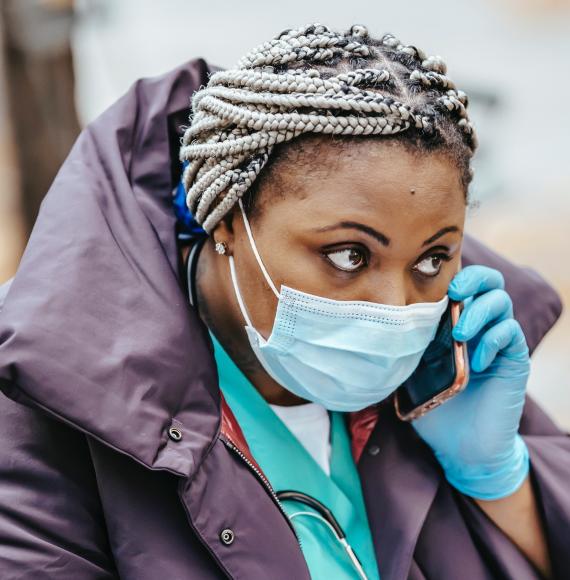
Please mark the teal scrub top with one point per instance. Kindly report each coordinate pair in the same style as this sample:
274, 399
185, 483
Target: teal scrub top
289, 466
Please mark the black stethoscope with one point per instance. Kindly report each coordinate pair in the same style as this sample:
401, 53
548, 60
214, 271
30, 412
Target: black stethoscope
325, 516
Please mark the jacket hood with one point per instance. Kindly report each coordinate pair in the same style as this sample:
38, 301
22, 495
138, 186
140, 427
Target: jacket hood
96, 328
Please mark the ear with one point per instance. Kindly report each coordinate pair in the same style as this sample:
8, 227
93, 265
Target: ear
224, 232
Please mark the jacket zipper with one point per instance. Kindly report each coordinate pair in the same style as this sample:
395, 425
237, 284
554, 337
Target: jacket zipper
265, 483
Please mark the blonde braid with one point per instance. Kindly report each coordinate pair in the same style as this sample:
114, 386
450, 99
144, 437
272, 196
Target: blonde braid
297, 83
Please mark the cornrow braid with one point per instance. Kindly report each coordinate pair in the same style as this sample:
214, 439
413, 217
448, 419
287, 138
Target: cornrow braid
314, 80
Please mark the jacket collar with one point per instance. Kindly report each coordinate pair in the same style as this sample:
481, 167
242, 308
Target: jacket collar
96, 328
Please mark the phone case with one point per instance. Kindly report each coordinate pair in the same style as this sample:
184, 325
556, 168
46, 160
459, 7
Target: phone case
460, 382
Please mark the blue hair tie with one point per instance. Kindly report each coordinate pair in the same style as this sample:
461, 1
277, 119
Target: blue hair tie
188, 227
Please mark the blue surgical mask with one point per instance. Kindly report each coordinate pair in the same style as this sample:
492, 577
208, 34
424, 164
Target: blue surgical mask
344, 355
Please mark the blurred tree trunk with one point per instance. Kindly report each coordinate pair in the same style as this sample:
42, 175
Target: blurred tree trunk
40, 92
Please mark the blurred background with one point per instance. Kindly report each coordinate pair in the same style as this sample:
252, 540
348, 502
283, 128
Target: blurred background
64, 62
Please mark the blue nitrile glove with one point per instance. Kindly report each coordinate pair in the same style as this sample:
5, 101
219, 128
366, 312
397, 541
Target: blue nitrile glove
475, 435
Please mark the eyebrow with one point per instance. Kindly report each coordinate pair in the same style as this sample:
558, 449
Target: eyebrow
379, 236
440, 233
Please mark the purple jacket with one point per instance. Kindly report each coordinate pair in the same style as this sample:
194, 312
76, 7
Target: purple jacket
100, 355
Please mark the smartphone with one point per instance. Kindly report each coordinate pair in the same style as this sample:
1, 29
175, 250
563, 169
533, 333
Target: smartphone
443, 371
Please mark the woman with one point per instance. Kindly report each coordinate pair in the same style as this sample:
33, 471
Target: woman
143, 437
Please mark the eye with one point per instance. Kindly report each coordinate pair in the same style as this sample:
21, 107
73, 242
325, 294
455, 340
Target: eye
347, 259
431, 265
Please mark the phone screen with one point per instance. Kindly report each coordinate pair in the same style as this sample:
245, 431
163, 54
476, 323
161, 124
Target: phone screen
435, 372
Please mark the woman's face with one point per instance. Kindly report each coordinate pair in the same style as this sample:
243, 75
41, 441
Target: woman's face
373, 222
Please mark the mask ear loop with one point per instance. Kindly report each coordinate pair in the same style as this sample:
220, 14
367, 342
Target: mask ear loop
256, 252
238, 293
233, 272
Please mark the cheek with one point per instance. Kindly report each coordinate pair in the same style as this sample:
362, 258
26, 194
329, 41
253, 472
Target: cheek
258, 297
291, 259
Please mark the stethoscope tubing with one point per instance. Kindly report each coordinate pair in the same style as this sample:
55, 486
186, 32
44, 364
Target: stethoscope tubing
326, 516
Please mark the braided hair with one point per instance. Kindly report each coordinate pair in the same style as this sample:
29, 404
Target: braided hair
312, 80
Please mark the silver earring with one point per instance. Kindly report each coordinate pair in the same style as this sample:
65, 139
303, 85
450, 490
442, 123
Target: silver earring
221, 248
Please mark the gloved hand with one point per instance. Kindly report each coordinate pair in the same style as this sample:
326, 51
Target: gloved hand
475, 436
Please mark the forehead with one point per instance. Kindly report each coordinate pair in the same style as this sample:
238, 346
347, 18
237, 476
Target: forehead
382, 185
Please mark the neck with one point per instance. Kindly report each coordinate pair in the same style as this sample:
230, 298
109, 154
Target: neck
219, 310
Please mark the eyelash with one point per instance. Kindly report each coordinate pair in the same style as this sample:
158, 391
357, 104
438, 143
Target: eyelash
444, 257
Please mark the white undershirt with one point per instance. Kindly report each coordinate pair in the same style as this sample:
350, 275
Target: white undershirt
310, 423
